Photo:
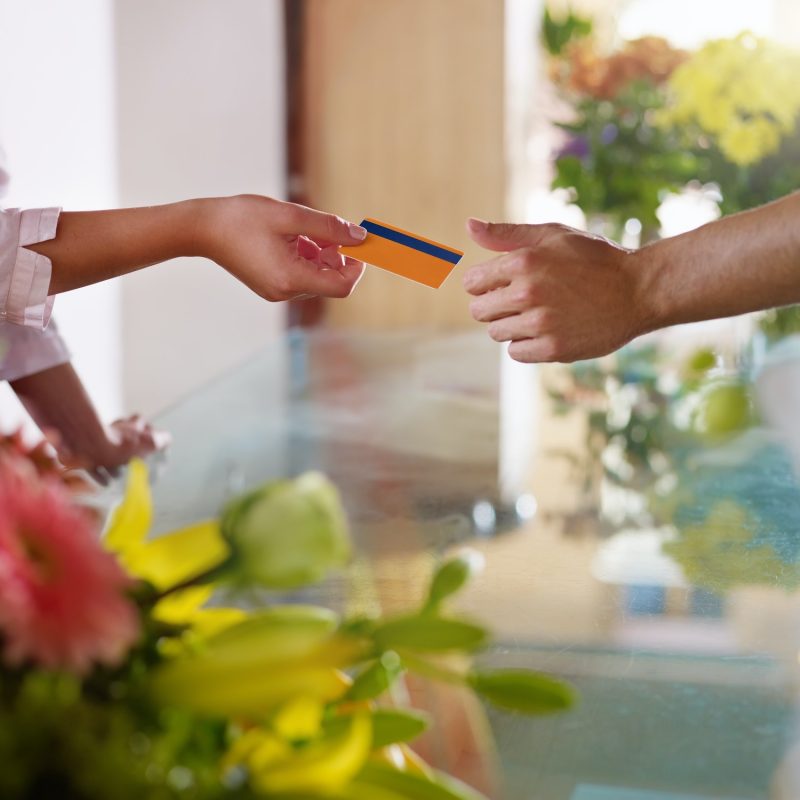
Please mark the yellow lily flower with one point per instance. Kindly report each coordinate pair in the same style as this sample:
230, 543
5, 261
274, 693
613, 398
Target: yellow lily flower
325, 766
170, 559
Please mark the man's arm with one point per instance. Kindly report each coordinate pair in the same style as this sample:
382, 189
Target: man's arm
280, 250
562, 295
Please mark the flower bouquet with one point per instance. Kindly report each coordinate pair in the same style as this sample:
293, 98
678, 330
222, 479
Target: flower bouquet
646, 120
124, 675
639, 122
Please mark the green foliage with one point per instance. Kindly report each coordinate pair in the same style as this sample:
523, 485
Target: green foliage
451, 577
523, 691
226, 704
628, 163
424, 633
376, 678
377, 782
778, 323
55, 742
390, 726
558, 33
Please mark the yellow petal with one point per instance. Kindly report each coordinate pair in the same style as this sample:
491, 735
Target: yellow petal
299, 718
326, 766
256, 746
183, 607
244, 692
131, 520
171, 559
211, 621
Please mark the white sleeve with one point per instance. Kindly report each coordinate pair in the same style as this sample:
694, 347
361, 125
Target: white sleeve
24, 273
25, 350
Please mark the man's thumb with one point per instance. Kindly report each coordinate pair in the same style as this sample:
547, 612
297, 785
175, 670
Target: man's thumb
502, 236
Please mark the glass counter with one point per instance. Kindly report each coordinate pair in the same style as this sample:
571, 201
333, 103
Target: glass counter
652, 563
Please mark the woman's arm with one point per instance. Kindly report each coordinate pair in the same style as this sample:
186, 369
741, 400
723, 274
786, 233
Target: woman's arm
58, 403
280, 250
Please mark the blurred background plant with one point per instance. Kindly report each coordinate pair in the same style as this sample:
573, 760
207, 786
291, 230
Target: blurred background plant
642, 122
122, 675
646, 120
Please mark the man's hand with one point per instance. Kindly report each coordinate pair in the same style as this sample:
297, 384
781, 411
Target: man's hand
556, 294
282, 251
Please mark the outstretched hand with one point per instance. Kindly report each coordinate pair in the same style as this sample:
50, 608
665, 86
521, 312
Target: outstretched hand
282, 251
556, 293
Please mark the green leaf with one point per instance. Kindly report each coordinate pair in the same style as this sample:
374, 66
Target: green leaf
375, 679
429, 634
379, 781
390, 726
522, 690
452, 576
557, 34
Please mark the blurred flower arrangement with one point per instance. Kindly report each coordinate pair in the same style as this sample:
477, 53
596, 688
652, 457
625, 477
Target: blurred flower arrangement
647, 120
640, 122
677, 444
121, 677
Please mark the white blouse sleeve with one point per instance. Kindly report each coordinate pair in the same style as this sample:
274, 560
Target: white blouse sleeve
25, 350
25, 274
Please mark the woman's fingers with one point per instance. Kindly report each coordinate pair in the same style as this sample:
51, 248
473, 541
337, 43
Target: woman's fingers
327, 256
327, 281
295, 220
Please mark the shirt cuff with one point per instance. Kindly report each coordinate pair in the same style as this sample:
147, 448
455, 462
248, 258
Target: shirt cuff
28, 302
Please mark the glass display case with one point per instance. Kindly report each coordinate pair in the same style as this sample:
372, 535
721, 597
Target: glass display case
632, 548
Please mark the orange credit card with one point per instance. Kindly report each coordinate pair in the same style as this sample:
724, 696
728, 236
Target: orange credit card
403, 253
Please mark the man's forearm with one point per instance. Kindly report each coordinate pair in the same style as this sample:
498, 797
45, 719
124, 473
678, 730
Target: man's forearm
92, 246
743, 262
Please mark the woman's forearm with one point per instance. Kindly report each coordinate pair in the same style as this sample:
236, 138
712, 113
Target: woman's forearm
743, 262
57, 401
279, 250
91, 246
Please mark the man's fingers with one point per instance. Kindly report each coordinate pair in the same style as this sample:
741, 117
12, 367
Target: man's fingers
494, 274
296, 220
517, 326
502, 236
534, 351
503, 302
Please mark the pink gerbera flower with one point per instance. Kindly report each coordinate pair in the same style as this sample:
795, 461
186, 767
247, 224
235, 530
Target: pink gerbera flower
63, 602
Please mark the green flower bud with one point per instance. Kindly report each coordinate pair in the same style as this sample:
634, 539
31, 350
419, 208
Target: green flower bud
287, 533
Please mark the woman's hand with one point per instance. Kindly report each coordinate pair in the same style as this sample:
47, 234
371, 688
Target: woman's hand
121, 441
282, 251
132, 437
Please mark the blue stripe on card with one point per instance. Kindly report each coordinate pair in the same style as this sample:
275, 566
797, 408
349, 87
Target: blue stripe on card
410, 241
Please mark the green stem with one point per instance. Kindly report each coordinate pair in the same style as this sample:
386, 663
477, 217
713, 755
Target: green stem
434, 671
196, 580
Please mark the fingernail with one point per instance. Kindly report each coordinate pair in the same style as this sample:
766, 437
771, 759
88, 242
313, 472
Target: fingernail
356, 231
477, 225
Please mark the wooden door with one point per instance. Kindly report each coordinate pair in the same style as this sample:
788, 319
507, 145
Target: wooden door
402, 119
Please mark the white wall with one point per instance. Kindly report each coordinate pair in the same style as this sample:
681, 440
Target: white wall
201, 112
58, 128
122, 102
